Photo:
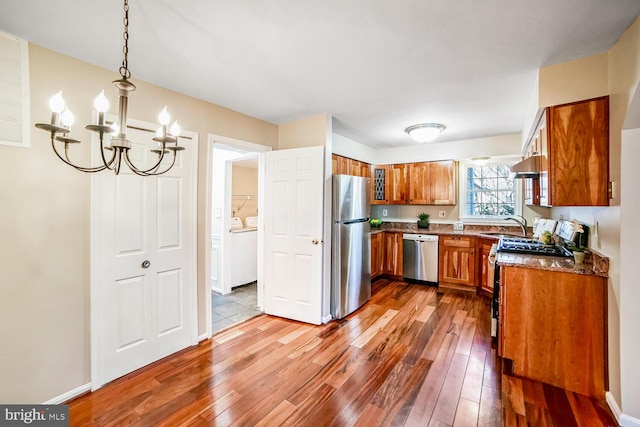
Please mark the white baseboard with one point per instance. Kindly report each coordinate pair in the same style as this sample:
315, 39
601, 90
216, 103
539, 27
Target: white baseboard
203, 337
69, 395
623, 419
326, 319
613, 405
628, 421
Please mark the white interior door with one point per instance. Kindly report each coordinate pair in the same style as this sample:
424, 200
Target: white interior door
143, 269
293, 230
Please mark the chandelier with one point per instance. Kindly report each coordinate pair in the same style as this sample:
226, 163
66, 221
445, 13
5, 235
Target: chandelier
62, 119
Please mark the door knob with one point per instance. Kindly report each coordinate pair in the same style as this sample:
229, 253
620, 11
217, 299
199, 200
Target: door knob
314, 242
145, 264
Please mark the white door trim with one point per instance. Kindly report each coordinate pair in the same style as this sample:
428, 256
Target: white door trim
225, 141
94, 273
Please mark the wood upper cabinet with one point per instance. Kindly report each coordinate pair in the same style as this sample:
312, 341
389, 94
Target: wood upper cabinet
358, 168
574, 144
379, 184
484, 269
443, 183
432, 183
346, 166
457, 261
365, 170
552, 326
377, 254
419, 181
392, 254
398, 184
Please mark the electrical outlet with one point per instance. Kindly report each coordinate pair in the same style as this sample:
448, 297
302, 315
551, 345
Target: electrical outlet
442, 214
384, 212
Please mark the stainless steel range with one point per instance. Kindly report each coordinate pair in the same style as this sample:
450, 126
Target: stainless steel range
532, 247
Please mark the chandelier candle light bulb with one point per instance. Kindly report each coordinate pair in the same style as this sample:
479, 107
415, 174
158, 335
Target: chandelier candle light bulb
57, 106
67, 118
101, 105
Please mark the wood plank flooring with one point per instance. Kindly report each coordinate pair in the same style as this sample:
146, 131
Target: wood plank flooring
412, 356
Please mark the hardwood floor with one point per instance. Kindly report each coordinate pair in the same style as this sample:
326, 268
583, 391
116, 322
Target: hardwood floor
412, 356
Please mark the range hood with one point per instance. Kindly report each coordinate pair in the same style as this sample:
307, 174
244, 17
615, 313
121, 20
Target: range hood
527, 168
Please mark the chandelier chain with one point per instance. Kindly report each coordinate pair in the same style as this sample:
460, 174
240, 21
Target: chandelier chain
124, 69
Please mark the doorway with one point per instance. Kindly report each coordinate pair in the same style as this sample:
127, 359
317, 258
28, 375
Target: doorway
233, 267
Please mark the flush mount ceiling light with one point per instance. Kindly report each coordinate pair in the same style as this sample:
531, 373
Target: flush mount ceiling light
62, 119
425, 132
480, 161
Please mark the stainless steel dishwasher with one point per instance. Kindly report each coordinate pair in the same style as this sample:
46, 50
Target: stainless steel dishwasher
420, 258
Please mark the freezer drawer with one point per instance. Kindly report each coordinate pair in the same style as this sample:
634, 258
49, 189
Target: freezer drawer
420, 257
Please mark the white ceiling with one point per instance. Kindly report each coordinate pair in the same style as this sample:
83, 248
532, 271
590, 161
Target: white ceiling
377, 66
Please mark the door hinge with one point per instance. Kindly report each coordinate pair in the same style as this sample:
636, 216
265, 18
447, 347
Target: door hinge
610, 189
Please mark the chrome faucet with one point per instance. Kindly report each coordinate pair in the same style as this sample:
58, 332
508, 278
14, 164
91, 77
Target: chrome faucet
520, 220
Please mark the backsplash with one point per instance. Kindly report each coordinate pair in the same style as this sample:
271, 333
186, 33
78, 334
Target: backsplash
441, 227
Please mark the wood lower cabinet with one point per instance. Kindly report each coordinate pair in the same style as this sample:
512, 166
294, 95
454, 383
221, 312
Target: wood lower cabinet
392, 264
552, 326
377, 254
484, 269
457, 263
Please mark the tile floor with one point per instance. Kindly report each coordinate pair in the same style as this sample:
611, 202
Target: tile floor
233, 308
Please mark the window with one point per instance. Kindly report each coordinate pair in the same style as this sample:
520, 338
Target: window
14, 91
489, 191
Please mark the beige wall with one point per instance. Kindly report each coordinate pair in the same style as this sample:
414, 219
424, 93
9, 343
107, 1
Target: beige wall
618, 75
624, 80
307, 132
575, 80
44, 219
244, 192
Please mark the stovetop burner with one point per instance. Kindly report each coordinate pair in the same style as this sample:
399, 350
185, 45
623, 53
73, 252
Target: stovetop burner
531, 247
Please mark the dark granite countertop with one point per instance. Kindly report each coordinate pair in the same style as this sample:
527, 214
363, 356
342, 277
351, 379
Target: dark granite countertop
595, 264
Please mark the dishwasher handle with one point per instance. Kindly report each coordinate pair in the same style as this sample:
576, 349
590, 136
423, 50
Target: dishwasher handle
420, 237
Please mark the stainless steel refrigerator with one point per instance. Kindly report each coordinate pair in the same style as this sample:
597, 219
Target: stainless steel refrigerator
351, 244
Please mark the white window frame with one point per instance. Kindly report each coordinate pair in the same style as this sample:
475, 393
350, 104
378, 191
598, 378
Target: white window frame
23, 49
462, 191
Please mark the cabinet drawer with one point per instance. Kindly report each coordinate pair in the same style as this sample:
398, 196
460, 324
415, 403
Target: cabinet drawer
457, 241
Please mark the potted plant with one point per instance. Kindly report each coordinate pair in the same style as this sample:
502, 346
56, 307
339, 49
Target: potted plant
423, 220
578, 253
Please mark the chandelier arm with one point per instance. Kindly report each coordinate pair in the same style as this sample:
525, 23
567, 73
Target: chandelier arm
149, 172
144, 172
65, 160
104, 159
173, 162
